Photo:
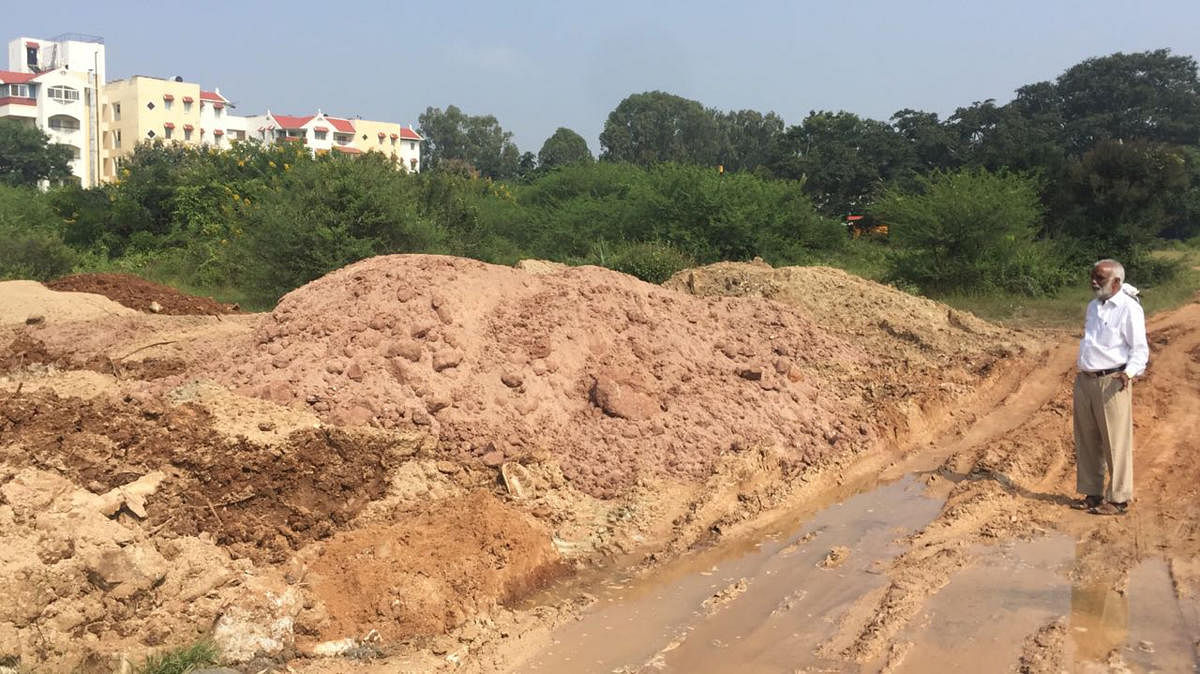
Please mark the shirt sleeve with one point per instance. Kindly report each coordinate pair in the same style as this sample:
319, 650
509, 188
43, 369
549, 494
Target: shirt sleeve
1135, 336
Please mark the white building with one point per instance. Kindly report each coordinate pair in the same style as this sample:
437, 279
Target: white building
54, 85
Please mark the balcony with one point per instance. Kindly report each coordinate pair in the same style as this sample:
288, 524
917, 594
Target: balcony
18, 107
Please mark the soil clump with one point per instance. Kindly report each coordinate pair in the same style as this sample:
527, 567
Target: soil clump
138, 293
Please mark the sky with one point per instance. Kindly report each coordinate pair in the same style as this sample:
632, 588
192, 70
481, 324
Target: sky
537, 66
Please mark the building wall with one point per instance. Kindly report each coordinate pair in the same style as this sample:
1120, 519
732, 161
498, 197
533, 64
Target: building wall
402, 152
77, 55
70, 122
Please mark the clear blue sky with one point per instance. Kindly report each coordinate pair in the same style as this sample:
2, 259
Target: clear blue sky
540, 65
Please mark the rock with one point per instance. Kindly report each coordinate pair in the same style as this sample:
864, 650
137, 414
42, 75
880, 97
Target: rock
517, 480
124, 572
437, 403
132, 495
752, 373
620, 398
421, 329
447, 467
493, 459
155, 308
512, 379
354, 372
444, 360
266, 426
406, 349
257, 626
36, 319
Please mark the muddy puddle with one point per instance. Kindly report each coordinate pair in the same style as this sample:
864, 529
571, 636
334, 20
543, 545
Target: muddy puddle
987, 610
766, 606
760, 608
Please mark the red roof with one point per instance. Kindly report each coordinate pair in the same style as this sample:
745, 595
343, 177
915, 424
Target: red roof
212, 96
188, 127
187, 99
408, 134
218, 105
347, 150
382, 134
342, 125
395, 136
322, 129
33, 45
290, 122
218, 132
9, 77
168, 97
168, 125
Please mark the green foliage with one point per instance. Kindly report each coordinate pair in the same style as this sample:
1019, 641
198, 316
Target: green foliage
563, 147
650, 261
27, 156
180, 660
969, 231
655, 126
477, 140
32, 240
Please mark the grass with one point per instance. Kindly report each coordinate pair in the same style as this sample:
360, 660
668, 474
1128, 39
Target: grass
1064, 309
180, 660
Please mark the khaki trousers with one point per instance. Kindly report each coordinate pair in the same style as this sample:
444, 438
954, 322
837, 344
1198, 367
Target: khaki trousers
1104, 437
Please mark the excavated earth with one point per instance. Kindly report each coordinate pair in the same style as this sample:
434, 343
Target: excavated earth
420, 463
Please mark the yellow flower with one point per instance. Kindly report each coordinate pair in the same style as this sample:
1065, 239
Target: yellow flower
287, 167
241, 162
236, 197
271, 164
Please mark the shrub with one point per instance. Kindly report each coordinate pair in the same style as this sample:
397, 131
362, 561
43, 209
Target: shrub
651, 261
31, 233
969, 231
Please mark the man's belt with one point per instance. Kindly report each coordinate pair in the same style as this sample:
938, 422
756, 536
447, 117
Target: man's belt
1103, 373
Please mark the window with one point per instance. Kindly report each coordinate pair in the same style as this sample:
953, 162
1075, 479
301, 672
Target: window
216, 111
117, 113
19, 90
412, 144
75, 152
64, 123
167, 103
150, 105
187, 105
63, 94
117, 139
168, 133
320, 135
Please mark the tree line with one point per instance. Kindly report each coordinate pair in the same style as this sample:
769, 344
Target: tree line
1101, 161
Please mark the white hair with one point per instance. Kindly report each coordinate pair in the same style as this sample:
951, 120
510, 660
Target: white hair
1118, 269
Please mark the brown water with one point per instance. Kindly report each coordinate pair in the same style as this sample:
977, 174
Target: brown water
789, 603
764, 606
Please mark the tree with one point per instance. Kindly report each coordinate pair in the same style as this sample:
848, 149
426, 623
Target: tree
1151, 95
655, 127
748, 138
478, 140
1118, 197
843, 158
968, 231
933, 144
27, 156
563, 147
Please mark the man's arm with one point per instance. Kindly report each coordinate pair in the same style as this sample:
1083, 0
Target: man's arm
1134, 332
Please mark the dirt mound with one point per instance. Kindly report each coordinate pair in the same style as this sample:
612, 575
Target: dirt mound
138, 293
25, 351
617, 379
24, 300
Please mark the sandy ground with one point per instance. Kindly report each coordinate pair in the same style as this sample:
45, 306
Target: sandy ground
146, 501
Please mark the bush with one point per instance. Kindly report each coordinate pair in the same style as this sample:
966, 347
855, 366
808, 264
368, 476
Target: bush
180, 660
31, 233
967, 232
651, 261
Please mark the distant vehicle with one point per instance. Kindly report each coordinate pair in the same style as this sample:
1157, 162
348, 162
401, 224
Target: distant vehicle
865, 224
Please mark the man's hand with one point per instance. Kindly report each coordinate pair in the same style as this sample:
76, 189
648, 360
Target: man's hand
1124, 378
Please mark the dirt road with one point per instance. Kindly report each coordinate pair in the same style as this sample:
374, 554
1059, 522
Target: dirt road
963, 554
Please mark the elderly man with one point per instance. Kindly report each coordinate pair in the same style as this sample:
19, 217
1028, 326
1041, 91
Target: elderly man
1112, 353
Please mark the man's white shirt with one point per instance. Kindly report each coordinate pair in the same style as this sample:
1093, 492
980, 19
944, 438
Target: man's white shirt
1114, 335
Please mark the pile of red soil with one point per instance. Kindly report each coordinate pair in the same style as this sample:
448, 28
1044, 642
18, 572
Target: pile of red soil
138, 293
616, 378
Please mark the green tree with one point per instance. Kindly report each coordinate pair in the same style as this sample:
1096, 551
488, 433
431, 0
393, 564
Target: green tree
934, 146
843, 158
478, 140
1152, 95
1120, 196
563, 147
32, 234
968, 231
655, 126
27, 156
748, 138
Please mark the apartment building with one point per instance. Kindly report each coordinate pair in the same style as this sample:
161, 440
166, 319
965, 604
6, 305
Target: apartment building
53, 85
59, 86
